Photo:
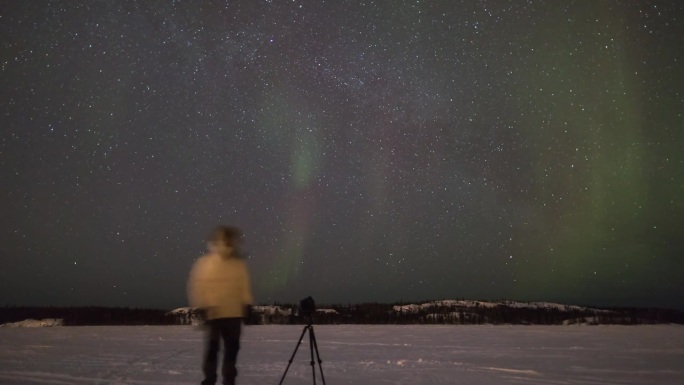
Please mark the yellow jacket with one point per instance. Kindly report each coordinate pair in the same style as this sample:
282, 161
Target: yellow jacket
220, 285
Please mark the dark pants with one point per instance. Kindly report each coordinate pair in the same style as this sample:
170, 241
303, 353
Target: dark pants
227, 329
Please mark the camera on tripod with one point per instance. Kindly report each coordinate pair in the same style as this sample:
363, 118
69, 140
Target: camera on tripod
307, 307
307, 310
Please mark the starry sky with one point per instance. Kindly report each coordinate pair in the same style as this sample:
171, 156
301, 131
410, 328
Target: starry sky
370, 150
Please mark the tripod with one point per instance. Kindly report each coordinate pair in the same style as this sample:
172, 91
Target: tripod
312, 345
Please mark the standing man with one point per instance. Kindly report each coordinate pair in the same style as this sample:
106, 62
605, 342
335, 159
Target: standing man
219, 284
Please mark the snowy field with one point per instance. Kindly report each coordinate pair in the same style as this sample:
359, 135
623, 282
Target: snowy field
353, 355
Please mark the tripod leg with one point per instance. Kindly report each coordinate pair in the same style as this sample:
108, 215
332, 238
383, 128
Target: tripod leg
289, 362
311, 350
318, 355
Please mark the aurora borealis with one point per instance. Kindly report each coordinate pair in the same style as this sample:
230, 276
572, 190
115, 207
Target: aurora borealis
371, 151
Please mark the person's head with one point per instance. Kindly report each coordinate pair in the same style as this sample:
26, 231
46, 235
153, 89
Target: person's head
225, 240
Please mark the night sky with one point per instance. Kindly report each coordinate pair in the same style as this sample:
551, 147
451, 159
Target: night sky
370, 150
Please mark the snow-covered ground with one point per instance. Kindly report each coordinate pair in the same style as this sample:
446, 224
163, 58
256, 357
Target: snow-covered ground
352, 355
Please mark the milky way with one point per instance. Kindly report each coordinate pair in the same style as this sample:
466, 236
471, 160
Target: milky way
371, 151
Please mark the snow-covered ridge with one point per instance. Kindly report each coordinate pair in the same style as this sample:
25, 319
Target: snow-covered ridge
277, 310
327, 311
271, 310
181, 311
187, 315
34, 323
259, 309
452, 303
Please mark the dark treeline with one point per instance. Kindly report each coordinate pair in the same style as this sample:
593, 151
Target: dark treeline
81, 316
368, 313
